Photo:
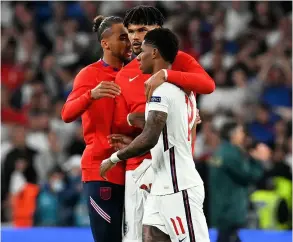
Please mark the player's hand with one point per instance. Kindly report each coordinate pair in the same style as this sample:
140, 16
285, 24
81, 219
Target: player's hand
105, 89
105, 166
137, 119
198, 119
153, 82
119, 141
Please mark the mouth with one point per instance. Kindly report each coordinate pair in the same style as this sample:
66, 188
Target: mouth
136, 45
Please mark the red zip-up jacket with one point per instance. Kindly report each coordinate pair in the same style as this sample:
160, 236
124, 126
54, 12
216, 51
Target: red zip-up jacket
97, 118
186, 73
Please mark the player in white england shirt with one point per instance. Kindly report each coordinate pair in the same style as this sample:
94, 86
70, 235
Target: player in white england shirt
174, 209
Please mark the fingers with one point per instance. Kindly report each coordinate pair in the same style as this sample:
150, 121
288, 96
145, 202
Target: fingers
110, 84
115, 136
110, 87
109, 91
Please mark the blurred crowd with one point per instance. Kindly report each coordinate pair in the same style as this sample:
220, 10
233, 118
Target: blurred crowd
245, 46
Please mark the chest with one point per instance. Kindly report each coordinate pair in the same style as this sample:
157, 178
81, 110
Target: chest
133, 88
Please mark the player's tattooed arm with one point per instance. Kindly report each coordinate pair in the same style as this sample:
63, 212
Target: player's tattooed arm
153, 234
148, 138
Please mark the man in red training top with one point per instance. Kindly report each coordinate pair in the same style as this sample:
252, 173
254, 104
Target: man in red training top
92, 98
185, 73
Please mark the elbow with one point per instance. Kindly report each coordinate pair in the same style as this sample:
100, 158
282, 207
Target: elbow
65, 117
210, 87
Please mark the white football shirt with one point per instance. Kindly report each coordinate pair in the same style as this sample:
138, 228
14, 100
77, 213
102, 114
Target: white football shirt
172, 159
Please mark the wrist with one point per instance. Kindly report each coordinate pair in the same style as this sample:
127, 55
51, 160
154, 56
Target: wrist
114, 158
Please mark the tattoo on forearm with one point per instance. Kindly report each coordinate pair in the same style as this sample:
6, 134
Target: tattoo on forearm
153, 234
148, 138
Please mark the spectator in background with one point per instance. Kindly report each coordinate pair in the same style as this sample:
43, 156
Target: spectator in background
39, 126
232, 169
65, 132
262, 128
77, 199
49, 210
22, 195
236, 21
48, 159
53, 27
77, 145
19, 149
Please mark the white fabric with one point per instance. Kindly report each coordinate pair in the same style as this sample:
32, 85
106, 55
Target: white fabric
114, 158
207, 60
135, 199
38, 141
163, 211
18, 182
173, 175
235, 23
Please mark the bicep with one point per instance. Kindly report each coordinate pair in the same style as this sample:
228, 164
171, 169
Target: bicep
155, 123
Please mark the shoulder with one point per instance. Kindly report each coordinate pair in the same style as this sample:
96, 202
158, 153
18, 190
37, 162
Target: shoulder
87, 74
182, 56
168, 90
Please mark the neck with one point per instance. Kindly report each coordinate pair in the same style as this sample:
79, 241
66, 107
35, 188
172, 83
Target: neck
159, 65
112, 61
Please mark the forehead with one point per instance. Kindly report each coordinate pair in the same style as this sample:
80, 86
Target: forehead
119, 29
146, 47
135, 27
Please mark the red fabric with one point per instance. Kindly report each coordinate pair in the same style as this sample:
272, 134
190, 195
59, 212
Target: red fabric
12, 116
187, 73
133, 99
11, 76
97, 118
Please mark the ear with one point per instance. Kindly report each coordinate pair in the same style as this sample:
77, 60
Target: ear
105, 44
155, 53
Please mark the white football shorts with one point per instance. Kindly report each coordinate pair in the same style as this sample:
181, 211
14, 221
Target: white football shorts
179, 215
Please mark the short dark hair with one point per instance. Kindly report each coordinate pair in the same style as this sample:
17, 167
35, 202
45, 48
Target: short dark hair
166, 42
227, 130
143, 15
101, 23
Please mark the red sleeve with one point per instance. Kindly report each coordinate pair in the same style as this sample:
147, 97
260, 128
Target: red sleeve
192, 77
79, 99
120, 124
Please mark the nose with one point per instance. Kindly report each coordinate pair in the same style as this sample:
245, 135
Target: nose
135, 35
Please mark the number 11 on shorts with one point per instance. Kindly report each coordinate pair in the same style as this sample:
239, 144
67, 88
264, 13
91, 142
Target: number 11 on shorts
179, 222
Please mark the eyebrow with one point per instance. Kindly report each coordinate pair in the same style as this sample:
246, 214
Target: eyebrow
141, 28
123, 35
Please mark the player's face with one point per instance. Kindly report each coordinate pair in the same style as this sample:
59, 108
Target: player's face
146, 59
119, 43
136, 34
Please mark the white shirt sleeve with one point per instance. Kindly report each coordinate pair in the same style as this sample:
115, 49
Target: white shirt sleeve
160, 100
